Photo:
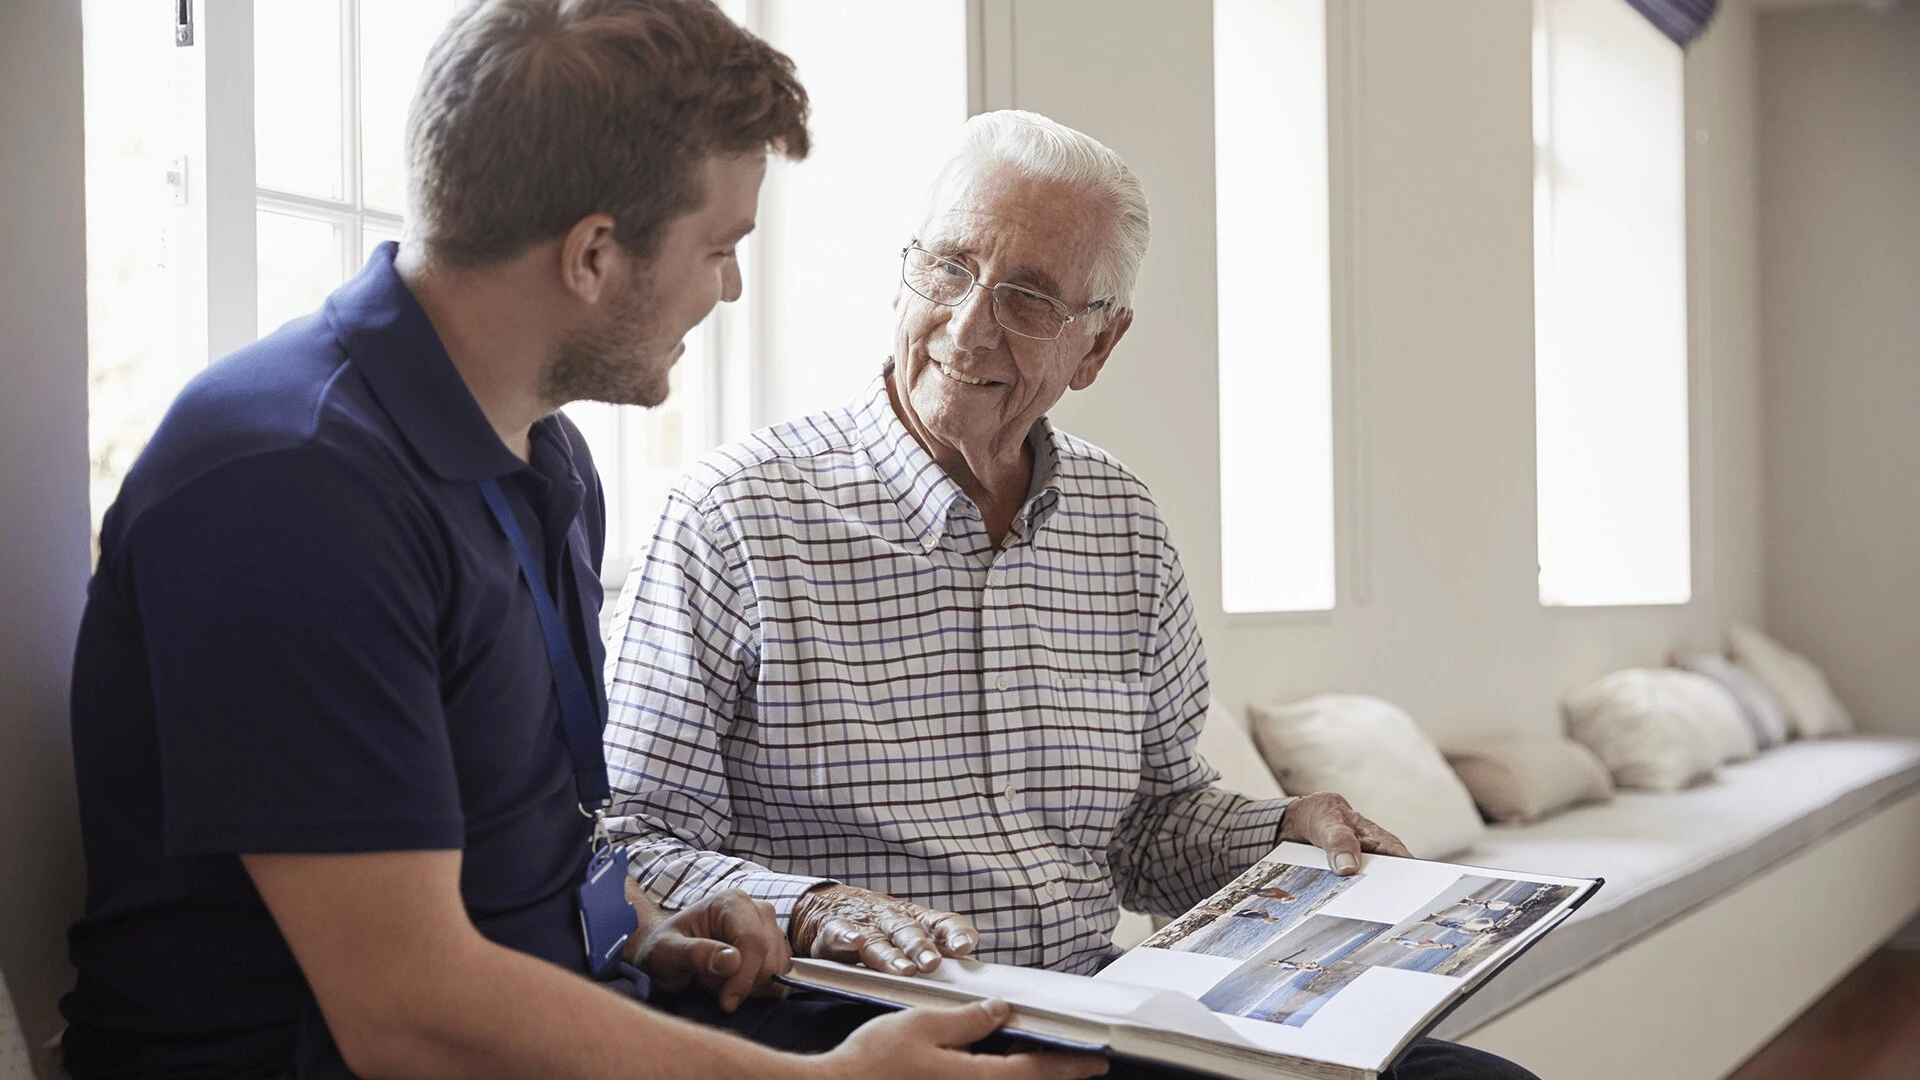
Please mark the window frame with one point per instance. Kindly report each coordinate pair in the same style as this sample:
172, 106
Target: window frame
349, 214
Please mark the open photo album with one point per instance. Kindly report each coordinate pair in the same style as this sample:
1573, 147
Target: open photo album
1289, 971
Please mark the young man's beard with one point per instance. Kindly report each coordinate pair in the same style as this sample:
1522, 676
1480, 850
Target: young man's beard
606, 362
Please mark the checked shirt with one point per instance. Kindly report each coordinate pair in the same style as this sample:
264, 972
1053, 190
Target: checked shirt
824, 671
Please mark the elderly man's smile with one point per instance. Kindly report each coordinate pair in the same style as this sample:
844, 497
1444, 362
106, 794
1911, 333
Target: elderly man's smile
959, 377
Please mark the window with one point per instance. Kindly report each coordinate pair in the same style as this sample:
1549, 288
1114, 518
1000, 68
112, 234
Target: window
332, 81
1276, 397
1610, 308
223, 214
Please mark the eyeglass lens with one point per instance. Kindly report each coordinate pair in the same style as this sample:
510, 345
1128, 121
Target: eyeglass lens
946, 282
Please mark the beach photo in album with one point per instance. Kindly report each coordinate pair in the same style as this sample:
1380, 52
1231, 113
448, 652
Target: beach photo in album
1261, 906
1463, 926
1287, 981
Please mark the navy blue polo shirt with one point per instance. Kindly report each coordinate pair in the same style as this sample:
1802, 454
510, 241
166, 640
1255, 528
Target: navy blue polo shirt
307, 633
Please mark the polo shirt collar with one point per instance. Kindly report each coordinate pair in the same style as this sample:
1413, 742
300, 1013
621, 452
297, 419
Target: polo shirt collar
918, 485
386, 334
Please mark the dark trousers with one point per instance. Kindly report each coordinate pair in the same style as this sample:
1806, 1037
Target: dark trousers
813, 1023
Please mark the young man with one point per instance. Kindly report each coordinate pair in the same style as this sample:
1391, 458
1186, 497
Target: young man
336, 699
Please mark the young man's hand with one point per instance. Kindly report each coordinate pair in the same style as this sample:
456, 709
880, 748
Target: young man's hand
728, 943
855, 926
930, 1044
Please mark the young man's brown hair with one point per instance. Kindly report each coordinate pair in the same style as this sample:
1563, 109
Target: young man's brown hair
532, 114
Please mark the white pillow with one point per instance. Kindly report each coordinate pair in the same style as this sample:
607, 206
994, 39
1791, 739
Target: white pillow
1756, 702
1800, 686
1637, 724
1708, 706
1376, 756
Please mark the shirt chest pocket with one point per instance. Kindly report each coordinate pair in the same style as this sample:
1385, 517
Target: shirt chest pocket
1087, 753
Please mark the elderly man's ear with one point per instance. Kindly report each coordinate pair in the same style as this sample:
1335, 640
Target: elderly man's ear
1103, 343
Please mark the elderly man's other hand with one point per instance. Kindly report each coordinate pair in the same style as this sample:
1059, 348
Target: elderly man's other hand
854, 926
1328, 822
728, 943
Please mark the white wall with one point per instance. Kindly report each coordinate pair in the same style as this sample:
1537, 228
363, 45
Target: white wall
1437, 605
1840, 213
43, 491
1435, 476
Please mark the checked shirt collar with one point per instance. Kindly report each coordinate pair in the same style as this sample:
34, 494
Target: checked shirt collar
924, 492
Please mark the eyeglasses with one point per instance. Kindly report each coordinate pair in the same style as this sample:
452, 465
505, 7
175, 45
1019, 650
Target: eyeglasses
1020, 311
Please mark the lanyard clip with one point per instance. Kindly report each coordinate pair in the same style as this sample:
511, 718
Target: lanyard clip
602, 838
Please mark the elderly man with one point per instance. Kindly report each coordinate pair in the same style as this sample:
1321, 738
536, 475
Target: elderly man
922, 672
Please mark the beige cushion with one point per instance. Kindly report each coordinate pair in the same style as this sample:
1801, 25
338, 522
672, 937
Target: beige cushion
1228, 748
1799, 686
1376, 756
1757, 703
1637, 724
1519, 778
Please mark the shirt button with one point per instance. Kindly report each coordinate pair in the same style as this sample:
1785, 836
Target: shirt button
1009, 793
1002, 682
1051, 888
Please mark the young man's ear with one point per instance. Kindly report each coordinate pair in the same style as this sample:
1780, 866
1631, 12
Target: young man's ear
590, 258
1102, 347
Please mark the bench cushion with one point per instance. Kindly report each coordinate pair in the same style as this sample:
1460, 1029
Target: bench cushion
1665, 854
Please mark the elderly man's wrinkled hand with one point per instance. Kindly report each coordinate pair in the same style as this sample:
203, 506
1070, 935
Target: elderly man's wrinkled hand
1329, 823
855, 926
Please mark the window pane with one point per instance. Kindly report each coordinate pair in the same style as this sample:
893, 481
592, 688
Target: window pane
372, 235
1611, 309
299, 265
299, 90
1276, 396
394, 39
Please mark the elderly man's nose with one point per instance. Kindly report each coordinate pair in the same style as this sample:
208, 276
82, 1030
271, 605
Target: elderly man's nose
972, 323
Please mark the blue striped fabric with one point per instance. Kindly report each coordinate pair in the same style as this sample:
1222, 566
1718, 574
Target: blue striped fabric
1680, 20
824, 671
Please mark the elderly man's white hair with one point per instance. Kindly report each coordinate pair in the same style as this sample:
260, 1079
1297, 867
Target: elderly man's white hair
1041, 147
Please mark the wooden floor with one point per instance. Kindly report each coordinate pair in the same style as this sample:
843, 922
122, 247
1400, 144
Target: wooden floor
1866, 1028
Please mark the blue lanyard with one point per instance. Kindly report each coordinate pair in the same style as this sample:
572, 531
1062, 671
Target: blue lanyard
579, 719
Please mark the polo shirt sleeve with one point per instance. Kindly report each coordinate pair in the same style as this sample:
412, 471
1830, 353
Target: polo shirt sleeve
1184, 837
288, 604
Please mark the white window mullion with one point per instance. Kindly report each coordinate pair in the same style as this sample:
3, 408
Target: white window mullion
351, 242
